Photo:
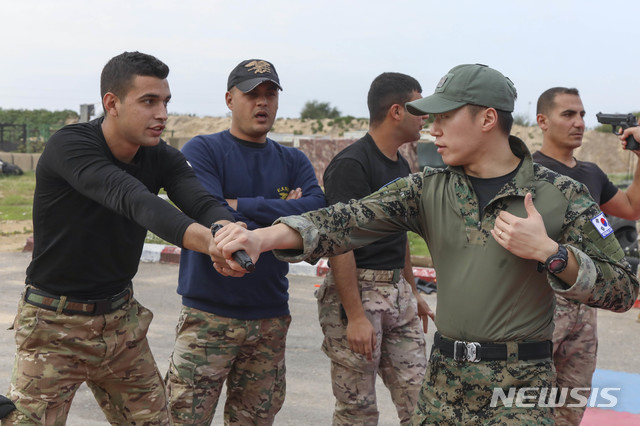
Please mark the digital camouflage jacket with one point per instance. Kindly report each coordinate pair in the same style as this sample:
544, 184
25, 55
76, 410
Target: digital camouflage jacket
485, 293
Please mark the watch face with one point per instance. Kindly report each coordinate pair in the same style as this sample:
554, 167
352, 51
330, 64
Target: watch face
557, 265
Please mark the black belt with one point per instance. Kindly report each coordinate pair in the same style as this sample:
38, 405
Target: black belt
474, 351
66, 305
382, 276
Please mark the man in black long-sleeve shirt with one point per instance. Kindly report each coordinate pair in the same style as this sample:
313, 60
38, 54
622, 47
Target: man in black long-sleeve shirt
95, 197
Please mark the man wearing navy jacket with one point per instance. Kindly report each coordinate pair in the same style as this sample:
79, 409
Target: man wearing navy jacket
235, 329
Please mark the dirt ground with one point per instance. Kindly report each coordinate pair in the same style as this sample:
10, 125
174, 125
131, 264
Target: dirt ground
183, 126
14, 234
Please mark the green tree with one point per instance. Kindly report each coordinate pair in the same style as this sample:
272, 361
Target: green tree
319, 110
41, 123
36, 117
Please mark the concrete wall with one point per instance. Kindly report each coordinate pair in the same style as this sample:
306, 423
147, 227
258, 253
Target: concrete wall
321, 151
177, 143
26, 162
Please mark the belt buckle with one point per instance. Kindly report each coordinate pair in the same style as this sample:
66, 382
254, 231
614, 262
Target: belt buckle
101, 307
396, 276
105, 306
466, 351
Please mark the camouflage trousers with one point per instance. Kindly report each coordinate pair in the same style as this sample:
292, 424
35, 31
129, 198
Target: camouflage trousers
56, 353
575, 347
461, 393
399, 356
248, 354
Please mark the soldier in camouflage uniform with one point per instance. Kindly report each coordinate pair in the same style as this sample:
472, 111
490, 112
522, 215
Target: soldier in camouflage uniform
505, 235
560, 115
369, 308
95, 197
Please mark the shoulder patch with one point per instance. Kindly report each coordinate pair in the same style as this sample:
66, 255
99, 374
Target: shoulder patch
602, 225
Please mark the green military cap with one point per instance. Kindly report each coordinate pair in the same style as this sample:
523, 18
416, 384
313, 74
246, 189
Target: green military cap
475, 84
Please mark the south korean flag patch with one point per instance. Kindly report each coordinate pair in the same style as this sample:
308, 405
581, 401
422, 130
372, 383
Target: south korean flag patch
602, 225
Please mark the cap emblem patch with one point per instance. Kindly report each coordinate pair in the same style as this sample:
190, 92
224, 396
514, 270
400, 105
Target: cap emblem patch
442, 81
258, 67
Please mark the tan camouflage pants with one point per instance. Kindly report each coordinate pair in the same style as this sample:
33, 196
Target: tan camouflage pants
248, 354
399, 356
56, 353
460, 393
575, 347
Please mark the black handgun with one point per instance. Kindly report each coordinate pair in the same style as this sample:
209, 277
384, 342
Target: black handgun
620, 122
240, 256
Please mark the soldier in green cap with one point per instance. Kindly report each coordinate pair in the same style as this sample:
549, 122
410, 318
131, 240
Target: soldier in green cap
505, 235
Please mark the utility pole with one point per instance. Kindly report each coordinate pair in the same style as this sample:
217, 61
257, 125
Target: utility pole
86, 112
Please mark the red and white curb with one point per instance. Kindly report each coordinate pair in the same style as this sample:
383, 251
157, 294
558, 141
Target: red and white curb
160, 253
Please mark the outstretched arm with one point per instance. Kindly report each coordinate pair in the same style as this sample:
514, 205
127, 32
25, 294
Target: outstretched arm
335, 229
626, 204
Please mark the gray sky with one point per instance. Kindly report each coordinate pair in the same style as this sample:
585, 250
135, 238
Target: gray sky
53, 50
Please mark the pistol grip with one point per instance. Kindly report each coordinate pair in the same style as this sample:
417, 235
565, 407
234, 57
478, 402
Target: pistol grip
632, 144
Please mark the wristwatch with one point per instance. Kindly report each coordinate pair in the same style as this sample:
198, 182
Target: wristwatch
556, 262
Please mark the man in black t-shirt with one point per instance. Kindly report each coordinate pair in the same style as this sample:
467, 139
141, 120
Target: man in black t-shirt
560, 115
367, 303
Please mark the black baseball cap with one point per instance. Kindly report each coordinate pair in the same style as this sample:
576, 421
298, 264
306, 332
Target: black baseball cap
250, 73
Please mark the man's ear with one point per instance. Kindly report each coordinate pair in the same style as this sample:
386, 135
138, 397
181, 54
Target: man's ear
489, 118
228, 98
542, 121
395, 111
111, 104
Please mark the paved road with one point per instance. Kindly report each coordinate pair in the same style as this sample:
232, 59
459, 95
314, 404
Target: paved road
309, 398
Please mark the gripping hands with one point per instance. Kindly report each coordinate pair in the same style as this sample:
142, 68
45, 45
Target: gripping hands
239, 256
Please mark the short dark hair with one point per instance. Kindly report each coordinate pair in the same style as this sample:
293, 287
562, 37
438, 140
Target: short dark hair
546, 101
387, 89
118, 73
505, 118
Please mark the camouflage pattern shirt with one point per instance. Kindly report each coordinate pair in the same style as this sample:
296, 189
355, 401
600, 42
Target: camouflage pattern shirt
485, 293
